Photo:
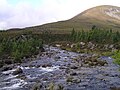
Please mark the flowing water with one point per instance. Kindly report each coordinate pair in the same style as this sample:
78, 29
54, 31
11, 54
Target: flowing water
56, 65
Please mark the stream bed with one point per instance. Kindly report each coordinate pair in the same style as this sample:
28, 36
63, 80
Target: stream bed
63, 69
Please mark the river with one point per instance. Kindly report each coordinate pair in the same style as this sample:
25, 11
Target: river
61, 68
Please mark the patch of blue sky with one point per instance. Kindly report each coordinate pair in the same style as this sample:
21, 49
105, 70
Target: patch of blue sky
31, 2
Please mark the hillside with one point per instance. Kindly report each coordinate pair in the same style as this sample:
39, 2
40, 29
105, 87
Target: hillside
104, 16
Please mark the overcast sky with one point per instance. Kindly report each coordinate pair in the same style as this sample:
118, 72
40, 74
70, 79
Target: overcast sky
25, 13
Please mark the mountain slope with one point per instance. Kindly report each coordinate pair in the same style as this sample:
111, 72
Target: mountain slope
104, 16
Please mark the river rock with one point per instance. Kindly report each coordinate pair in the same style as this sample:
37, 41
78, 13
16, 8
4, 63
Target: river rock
71, 79
58, 45
37, 86
76, 80
102, 63
59, 87
82, 43
73, 73
56, 58
1, 64
17, 71
8, 61
22, 76
42, 49
74, 67
47, 65
114, 88
73, 45
6, 68
63, 67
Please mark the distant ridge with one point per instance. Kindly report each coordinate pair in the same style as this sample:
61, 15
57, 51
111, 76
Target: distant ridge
104, 16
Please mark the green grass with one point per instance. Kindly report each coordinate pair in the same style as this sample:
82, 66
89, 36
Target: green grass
116, 56
107, 53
